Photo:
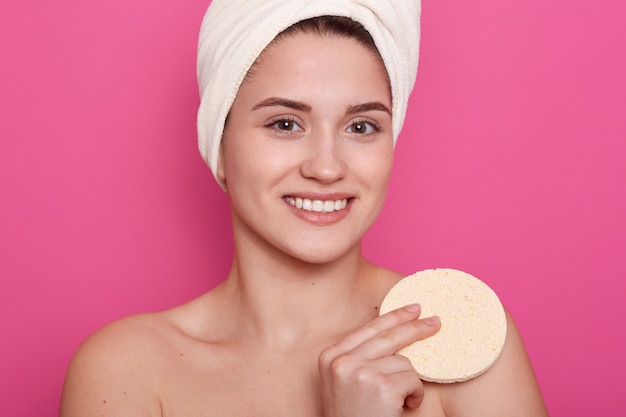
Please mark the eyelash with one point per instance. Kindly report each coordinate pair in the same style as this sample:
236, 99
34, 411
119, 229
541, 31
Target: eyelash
364, 121
273, 124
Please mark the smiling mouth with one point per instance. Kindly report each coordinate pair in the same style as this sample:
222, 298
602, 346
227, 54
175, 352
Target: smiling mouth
317, 206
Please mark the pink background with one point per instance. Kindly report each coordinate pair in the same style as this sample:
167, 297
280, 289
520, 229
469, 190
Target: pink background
511, 167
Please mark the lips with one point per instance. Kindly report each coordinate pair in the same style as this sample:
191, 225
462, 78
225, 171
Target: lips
317, 206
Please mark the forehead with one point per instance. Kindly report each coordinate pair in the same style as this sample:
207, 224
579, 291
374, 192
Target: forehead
318, 59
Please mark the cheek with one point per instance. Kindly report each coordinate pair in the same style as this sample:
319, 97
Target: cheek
380, 180
238, 167
237, 154
251, 163
380, 167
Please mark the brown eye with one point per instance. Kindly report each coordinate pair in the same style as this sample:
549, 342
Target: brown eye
285, 125
359, 128
363, 127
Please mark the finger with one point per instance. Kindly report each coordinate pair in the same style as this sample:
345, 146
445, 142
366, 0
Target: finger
386, 365
389, 341
409, 386
415, 399
378, 325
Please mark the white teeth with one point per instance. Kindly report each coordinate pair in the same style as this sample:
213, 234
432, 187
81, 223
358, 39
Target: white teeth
318, 206
329, 206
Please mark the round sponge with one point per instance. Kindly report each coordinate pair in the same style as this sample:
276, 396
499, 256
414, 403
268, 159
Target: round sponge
473, 324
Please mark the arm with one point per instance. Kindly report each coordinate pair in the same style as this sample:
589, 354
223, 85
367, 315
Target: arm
509, 388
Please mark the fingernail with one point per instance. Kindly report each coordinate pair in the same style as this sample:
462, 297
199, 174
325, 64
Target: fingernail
413, 308
432, 321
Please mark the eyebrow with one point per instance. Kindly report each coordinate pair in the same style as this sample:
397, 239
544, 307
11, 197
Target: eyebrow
297, 105
374, 105
277, 101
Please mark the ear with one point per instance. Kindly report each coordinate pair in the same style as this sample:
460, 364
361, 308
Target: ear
220, 170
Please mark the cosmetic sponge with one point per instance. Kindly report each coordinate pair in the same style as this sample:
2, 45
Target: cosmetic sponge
473, 324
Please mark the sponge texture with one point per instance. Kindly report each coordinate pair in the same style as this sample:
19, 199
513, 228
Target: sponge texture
473, 324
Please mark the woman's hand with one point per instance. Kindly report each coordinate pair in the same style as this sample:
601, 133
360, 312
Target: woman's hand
361, 376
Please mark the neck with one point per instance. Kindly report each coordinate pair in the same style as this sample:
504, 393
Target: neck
286, 303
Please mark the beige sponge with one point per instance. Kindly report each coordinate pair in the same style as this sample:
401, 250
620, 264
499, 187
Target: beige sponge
473, 324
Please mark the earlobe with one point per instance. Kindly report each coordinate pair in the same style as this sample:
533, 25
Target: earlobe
220, 171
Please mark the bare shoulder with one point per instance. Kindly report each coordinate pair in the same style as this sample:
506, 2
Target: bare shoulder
115, 371
508, 388
383, 279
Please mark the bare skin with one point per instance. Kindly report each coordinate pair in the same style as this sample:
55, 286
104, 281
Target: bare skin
166, 364
294, 329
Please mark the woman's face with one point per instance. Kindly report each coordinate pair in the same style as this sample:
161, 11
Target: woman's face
308, 150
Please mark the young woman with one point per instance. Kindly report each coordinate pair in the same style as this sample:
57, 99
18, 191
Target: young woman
304, 151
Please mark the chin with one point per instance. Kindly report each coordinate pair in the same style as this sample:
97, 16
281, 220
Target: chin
320, 256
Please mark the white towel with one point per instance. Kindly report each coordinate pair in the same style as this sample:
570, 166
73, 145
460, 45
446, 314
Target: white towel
235, 32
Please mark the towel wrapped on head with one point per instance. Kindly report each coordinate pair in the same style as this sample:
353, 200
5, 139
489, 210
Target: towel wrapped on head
235, 32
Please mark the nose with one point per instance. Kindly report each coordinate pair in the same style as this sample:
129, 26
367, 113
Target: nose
324, 161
